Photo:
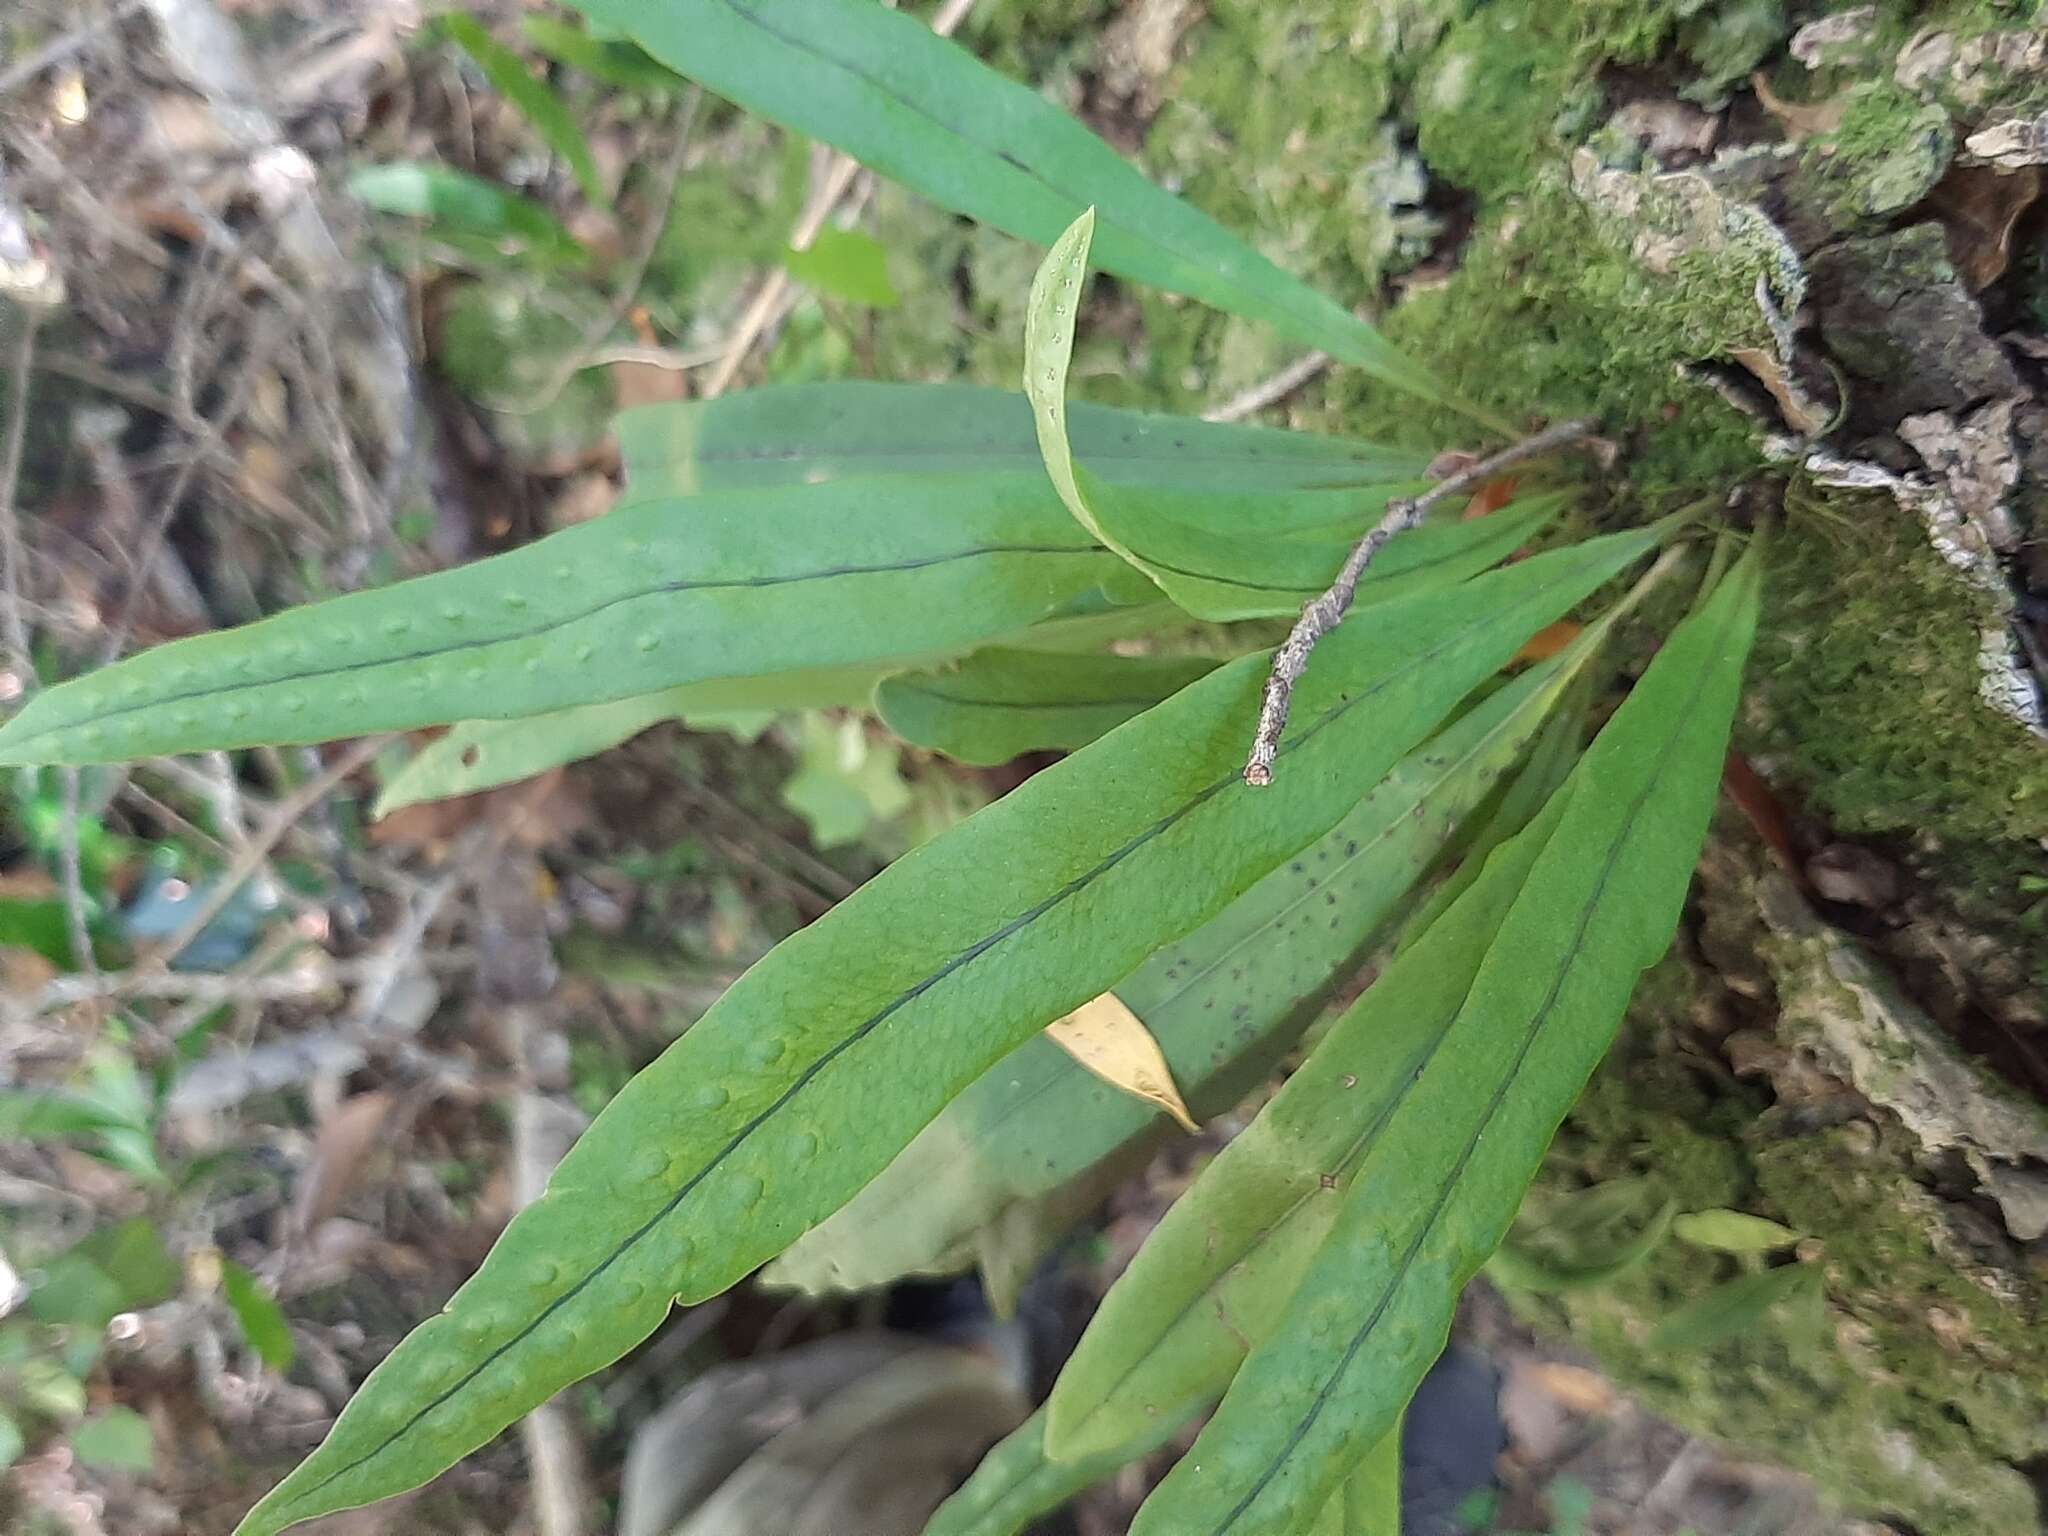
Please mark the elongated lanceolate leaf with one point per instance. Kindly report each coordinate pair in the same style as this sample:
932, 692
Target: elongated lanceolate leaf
1737, 1306
540, 106
812, 434
466, 205
1016, 1482
1549, 763
1202, 548
881, 86
1214, 1277
1437, 1190
1033, 1143
1368, 1502
619, 64
648, 597
480, 754
999, 703
820, 1064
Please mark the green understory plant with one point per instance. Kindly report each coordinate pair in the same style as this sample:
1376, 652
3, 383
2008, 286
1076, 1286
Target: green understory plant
875, 1097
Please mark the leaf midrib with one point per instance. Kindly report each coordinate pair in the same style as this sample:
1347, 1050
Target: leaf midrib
507, 637
1286, 301
1538, 1023
874, 1021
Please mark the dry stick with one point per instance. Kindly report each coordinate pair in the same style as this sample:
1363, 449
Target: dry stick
1270, 391
57, 50
252, 854
16, 627
1324, 613
586, 352
74, 881
768, 302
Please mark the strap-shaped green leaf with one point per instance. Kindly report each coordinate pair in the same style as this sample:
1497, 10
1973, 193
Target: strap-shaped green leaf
1216, 1274
1438, 1188
540, 106
464, 205
619, 64
1737, 1306
820, 1064
651, 596
1036, 1140
1016, 1482
1205, 549
810, 434
999, 703
1549, 763
881, 86
1368, 1502
481, 754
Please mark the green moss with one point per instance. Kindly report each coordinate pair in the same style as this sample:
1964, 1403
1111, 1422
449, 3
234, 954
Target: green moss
1886, 155
1487, 108
1865, 683
1921, 1395
1550, 315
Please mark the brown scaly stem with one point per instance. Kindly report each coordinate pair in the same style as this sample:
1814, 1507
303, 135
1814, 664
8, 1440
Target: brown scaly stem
1324, 613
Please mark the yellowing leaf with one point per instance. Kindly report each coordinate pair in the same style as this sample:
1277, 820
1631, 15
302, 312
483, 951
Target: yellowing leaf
1113, 1043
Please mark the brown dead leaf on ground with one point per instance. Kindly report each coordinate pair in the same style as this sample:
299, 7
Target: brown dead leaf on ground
1490, 497
1799, 119
1766, 812
1547, 642
539, 812
341, 1152
1112, 1042
1979, 206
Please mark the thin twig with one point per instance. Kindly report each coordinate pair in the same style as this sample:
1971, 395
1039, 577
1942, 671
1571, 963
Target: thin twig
585, 353
768, 302
15, 626
1324, 613
823, 876
252, 854
74, 880
58, 49
1271, 391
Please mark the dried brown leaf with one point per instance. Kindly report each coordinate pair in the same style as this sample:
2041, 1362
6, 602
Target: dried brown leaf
341, 1150
1112, 1042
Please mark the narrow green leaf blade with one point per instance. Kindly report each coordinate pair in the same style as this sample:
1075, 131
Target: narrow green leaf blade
262, 1320
1736, 1306
1036, 1140
619, 64
1000, 703
1017, 1482
881, 86
466, 204
1438, 1189
1203, 549
540, 106
822, 1062
809, 434
1215, 1275
1549, 764
650, 596
482, 754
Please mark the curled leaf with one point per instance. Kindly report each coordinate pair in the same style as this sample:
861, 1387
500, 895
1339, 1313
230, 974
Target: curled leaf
1113, 1043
